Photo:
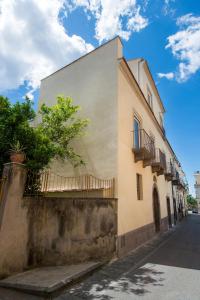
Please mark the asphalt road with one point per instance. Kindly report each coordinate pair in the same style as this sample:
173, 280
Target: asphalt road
166, 268
171, 271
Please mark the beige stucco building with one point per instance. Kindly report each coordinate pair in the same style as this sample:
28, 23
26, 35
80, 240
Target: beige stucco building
125, 139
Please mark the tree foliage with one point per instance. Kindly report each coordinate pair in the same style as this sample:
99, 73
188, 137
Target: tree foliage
51, 138
61, 124
192, 202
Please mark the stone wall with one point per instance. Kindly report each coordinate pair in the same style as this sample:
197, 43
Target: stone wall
70, 230
52, 231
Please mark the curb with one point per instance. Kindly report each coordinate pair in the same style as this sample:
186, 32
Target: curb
55, 288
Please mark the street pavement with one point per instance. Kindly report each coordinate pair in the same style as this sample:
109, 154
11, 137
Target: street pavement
168, 268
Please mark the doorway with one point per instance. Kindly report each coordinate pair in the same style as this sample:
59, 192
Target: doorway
156, 209
175, 211
169, 212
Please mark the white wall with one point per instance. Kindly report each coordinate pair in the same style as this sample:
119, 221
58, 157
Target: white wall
92, 83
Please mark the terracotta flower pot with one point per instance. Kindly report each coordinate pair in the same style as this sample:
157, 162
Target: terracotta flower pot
17, 157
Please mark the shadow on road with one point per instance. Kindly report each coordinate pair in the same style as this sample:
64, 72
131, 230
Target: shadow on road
131, 283
170, 259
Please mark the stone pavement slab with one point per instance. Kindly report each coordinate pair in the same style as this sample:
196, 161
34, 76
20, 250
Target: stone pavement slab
48, 279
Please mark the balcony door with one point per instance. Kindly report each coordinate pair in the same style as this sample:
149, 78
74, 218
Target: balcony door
136, 130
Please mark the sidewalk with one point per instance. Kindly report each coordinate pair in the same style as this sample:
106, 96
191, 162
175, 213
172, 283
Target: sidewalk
46, 280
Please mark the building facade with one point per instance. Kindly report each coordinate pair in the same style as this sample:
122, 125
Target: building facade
197, 188
125, 139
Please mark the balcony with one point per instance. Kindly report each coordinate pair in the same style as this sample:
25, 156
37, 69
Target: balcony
159, 163
183, 184
176, 178
169, 172
143, 147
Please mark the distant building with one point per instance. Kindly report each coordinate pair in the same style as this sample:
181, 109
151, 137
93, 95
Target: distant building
197, 187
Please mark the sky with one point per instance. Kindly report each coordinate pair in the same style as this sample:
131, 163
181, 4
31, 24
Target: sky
39, 37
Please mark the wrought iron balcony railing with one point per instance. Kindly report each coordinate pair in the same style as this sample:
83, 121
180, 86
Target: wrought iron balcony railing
176, 178
169, 172
143, 147
159, 163
182, 183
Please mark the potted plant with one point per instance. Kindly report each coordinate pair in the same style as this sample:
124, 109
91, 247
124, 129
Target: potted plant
17, 154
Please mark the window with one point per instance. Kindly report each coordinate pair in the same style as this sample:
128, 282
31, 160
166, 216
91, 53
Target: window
149, 98
139, 186
136, 128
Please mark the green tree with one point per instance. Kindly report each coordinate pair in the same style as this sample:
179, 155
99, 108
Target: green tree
14, 126
61, 125
52, 138
191, 202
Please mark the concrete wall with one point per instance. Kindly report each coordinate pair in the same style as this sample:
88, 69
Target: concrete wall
52, 231
13, 220
70, 230
92, 83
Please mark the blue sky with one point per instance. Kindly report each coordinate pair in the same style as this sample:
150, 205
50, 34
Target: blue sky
39, 37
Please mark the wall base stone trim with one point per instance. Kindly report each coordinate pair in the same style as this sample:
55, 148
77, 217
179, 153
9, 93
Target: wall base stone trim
135, 238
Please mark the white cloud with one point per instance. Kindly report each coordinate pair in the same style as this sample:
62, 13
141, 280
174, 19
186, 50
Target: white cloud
167, 8
30, 94
167, 2
113, 17
33, 42
169, 75
185, 46
137, 22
